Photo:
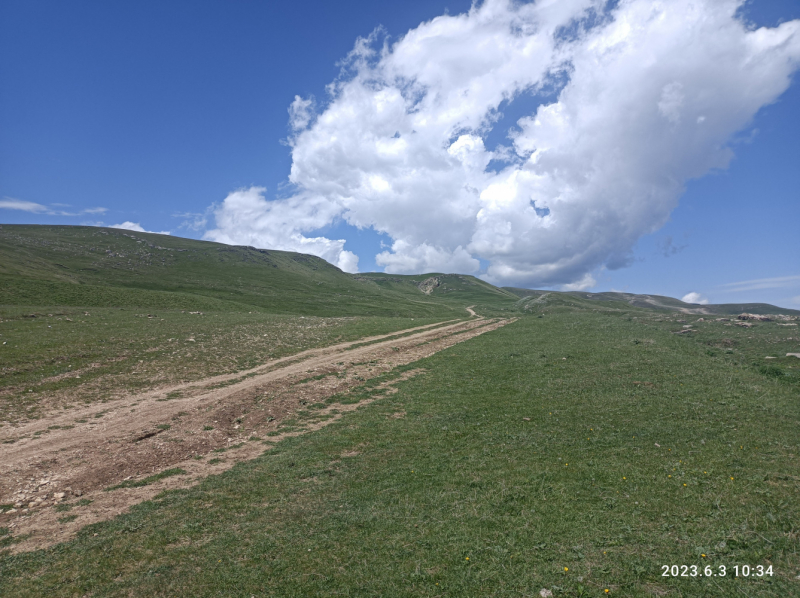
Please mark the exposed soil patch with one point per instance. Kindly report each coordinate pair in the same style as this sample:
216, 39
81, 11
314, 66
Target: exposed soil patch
67, 461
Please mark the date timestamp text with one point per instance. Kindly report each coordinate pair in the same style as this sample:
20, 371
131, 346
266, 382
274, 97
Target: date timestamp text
718, 571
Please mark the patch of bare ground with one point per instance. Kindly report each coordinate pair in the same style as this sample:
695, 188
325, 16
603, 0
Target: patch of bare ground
201, 428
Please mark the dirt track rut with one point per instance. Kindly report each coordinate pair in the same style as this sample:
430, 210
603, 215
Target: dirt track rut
66, 457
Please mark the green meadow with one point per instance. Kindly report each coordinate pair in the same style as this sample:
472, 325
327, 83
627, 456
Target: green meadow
579, 450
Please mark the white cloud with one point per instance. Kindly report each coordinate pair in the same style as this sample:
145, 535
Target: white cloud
301, 112
694, 298
245, 217
135, 226
193, 220
587, 282
649, 95
761, 283
405, 259
9, 203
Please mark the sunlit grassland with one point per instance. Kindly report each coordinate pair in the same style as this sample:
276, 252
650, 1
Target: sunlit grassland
75, 355
577, 452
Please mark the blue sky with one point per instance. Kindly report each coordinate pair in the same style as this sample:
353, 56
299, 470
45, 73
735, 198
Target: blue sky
157, 112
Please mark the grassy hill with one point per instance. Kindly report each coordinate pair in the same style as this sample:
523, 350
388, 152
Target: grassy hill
103, 267
531, 297
581, 448
135, 310
90, 266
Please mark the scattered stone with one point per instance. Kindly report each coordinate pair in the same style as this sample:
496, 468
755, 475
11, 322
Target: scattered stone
545, 593
793, 355
745, 324
756, 317
768, 357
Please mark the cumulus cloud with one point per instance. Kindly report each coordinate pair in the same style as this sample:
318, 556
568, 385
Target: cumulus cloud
694, 298
644, 96
9, 203
245, 217
135, 226
300, 113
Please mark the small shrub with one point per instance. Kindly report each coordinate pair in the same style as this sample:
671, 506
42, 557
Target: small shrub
773, 371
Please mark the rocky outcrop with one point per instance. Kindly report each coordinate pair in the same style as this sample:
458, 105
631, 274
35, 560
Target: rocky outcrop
427, 285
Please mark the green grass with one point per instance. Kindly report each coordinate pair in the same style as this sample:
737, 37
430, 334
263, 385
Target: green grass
88, 313
115, 350
96, 267
509, 463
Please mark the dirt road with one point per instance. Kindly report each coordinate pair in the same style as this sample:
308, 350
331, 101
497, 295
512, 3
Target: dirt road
69, 458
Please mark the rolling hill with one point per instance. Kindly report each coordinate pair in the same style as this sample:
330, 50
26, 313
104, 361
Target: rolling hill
91, 266
102, 267
530, 298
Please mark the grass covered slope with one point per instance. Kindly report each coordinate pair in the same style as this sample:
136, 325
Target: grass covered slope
530, 297
96, 267
87, 313
577, 451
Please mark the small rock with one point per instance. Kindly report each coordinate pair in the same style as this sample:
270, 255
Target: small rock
59, 495
11, 511
793, 355
527, 419
545, 593
756, 317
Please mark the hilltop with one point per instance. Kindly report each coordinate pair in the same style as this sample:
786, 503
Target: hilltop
101, 267
531, 299
105, 267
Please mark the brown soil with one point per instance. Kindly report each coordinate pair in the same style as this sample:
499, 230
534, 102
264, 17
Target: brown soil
72, 457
